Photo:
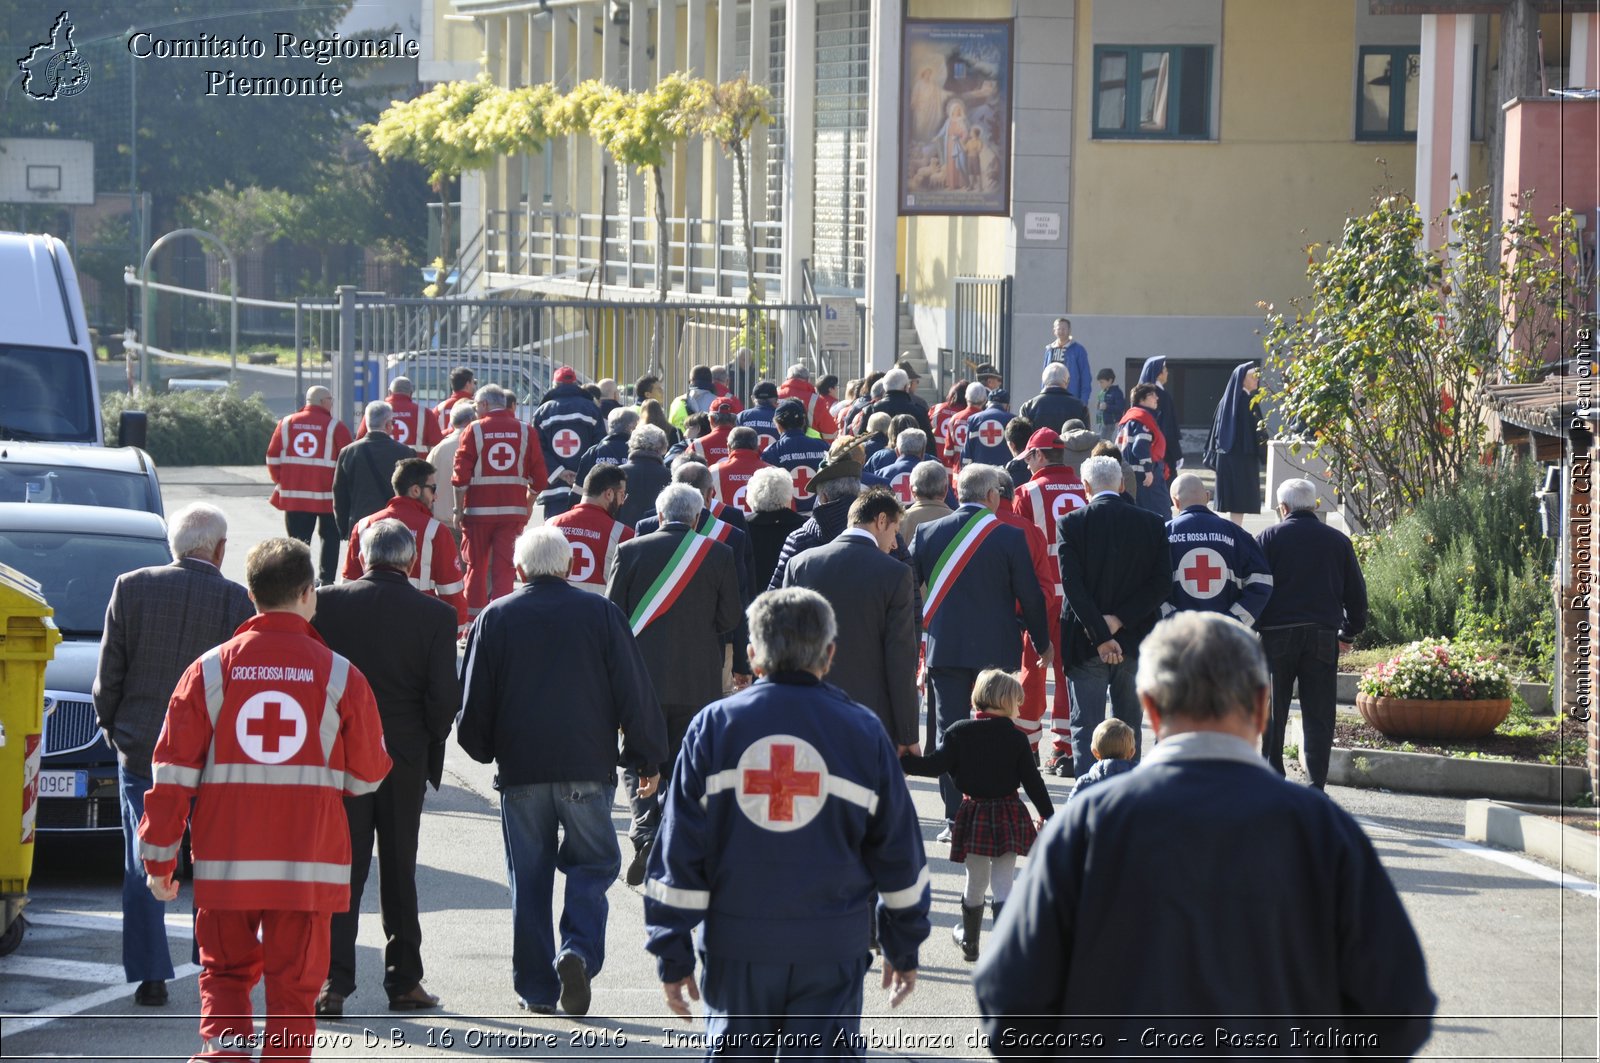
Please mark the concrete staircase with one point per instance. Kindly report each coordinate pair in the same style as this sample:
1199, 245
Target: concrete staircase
907, 343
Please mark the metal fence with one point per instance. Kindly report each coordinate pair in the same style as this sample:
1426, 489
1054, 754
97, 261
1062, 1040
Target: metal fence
356, 342
982, 328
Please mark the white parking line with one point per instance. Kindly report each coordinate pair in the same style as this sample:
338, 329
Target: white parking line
1498, 856
178, 926
59, 970
78, 1005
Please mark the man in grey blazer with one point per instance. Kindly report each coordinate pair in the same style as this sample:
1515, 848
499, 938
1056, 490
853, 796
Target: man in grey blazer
680, 592
158, 622
875, 660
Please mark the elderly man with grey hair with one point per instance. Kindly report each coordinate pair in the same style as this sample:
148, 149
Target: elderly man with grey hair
1318, 607
613, 448
930, 495
789, 833
897, 399
362, 479
680, 592
159, 620
412, 425
556, 755
404, 642
1258, 904
980, 579
647, 473
1116, 574
1055, 405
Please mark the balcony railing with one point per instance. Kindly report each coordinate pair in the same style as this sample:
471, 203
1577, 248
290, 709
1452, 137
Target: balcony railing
705, 258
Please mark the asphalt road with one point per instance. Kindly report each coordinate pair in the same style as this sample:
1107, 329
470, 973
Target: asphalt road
1511, 944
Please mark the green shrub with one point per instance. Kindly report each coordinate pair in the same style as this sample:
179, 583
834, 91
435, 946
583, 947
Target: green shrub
1469, 563
197, 428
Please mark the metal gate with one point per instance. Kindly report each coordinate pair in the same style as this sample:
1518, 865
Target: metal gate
982, 330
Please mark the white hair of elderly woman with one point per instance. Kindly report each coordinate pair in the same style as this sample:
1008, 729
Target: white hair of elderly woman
648, 439
622, 419
770, 489
912, 441
977, 394
543, 552
896, 380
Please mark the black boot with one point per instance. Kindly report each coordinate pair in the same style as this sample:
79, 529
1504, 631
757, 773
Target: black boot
995, 906
966, 935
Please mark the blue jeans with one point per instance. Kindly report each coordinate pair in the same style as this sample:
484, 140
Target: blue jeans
145, 957
587, 855
748, 1000
1087, 685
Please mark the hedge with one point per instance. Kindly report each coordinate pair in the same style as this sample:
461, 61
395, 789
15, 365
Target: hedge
197, 428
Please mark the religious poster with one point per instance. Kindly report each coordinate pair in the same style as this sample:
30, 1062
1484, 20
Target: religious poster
955, 117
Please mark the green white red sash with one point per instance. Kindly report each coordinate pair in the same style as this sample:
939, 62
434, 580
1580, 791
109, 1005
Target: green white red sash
955, 558
712, 528
685, 562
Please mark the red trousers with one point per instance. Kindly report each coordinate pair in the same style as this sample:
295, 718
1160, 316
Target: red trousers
486, 546
293, 955
1030, 721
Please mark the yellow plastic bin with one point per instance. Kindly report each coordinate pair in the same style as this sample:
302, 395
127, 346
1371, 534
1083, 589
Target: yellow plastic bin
28, 639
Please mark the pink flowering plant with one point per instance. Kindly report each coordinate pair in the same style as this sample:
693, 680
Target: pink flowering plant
1439, 670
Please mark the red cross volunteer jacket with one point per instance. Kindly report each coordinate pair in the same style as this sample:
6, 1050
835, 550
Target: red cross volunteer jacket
300, 459
414, 426
436, 569
266, 734
593, 534
1054, 491
498, 460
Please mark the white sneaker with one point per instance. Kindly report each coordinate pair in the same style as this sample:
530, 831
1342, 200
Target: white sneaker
944, 835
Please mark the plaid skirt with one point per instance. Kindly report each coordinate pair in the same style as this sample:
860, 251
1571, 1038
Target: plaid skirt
991, 826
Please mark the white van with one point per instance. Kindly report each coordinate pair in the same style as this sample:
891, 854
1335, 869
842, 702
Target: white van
48, 387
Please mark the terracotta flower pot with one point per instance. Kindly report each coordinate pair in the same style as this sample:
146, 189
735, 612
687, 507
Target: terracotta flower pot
1417, 718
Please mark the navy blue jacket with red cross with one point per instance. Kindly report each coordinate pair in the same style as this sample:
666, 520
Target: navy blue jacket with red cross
787, 818
1217, 567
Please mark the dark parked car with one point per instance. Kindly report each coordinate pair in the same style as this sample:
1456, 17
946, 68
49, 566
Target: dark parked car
76, 553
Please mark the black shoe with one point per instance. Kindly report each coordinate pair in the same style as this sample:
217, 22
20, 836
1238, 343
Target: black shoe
417, 999
330, 1005
574, 975
151, 994
635, 873
537, 1009
1061, 767
966, 935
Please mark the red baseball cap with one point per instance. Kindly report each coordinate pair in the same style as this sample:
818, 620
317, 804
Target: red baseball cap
566, 375
722, 405
1045, 439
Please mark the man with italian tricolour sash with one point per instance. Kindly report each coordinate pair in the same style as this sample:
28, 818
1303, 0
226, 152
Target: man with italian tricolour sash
680, 592
272, 711
980, 582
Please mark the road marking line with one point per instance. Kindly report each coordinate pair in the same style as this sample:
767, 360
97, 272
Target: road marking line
177, 926
1498, 856
59, 970
77, 1005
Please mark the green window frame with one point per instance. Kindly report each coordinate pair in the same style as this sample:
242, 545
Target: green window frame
1386, 104
1173, 101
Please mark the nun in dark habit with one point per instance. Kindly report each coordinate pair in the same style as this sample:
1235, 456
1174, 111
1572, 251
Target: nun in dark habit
1236, 445
1155, 372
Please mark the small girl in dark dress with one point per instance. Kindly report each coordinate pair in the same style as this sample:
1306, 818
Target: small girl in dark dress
988, 758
